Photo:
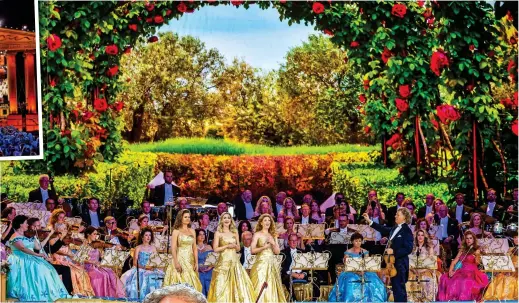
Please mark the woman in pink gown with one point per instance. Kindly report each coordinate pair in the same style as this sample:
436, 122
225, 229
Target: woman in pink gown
103, 280
467, 283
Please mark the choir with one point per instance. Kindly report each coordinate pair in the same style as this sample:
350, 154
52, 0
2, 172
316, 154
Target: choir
230, 260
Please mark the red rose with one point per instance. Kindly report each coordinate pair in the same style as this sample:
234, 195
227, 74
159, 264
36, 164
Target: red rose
318, 7
471, 47
149, 6
404, 91
421, 3
158, 19
447, 113
112, 50
168, 12
328, 32
112, 71
439, 60
367, 129
87, 115
362, 98
128, 50
52, 82
366, 84
236, 3
507, 102
394, 139
182, 7
515, 99
509, 16
491, 54
427, 14
132, 27
361, 10
354, 44
401, 105
100, 105
53, 42
395, 145
386, 54
511, 65
153, 39
118, 106
470, 87
435, 123
399, 10
515, 128
513, 40
149, 20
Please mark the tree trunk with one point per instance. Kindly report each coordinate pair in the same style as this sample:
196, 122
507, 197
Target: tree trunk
136, 132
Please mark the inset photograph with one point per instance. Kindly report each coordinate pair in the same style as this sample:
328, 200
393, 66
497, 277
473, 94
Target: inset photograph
20, 100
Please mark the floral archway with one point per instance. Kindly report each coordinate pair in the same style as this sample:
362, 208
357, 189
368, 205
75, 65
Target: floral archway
412, 55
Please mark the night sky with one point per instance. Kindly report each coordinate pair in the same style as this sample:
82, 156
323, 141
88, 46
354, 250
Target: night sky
17, 13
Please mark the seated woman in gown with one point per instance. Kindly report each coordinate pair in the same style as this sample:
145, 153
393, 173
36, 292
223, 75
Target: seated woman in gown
347, 289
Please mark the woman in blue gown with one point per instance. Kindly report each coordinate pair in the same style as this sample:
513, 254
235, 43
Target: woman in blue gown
205, 273
348, 290
149, 279
31, 277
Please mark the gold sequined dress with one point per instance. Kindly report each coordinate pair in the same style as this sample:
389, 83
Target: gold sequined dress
230, 282
266, 268
504, 285
187, 260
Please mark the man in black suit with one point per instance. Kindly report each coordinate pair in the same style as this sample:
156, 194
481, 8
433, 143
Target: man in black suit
449, 232
391, 212
400, 245
113, 234
93, 216
493, 211
244, 206
460, 212
286, 266
166, 192
246, 239
305, 215
43, 192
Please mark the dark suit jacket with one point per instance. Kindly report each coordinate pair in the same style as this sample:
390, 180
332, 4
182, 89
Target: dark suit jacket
239, 207
159, 193
242, 255
285, 266
452, 226
86, 218
498, 211
310, 221
465, 216
402, 243
35, 195
421, 212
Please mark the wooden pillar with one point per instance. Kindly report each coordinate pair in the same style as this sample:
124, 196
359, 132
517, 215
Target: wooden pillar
30, 82
11, 83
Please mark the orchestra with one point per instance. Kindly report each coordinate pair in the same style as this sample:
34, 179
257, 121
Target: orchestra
229, 251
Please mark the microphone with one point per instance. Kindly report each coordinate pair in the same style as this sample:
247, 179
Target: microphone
373, 204
418, 251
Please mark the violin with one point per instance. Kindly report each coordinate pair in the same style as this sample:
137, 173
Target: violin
101, 244
120, 233
390, 265
70, 240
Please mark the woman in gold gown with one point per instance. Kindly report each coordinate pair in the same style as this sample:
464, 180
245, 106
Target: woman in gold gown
426, 289
230, 282
184, 268
266, 269
504, 285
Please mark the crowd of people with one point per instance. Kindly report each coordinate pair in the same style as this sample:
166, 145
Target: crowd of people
264, 229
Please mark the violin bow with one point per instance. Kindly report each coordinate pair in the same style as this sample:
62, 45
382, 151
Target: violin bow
265, 285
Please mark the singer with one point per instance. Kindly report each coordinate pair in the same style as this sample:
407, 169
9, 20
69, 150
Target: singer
400, 245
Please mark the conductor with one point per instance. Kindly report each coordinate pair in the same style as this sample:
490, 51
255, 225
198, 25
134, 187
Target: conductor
400, 245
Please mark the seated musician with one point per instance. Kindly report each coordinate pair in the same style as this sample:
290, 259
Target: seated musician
264, 206
115, 235
146, 209
305, 215
460, 211
347, 289
245, 251
448, 232
288, 226
492, 210
423, 248
391, 212
286, 267
342, 228
221, 208
8, 214
50, 204
289, 209
511, 211
477, 226
93, 216
428, 208
167, 191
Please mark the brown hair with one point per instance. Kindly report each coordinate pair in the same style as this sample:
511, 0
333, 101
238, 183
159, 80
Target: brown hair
464, 247
272, 228
178, 219
427, 243
471, 221
54, 216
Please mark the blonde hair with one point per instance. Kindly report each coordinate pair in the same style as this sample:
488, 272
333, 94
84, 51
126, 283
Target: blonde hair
407, 214
54, 216
232, 226
260, 201
293, 209
272, 227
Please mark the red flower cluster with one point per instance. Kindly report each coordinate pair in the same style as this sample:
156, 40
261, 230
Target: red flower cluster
153, 39
447, 113
439, 60
53, 42
421, 3
112, 50
149, 6
435, 123
118, 106
396, 138
182, 7
399, 10
149, 20
515, 128
427, 14
471, 47
507, 103
366, 84
511, 66
158, 19
112, 71
362, 98
318, 7
509, 16
236, 2
401, 105
404, 91
367, 129
386, 54
100, 105
168, 12
52, 82
328, 32
132, 27
354, 44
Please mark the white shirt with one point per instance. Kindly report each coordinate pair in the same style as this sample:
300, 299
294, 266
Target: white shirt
305, 220
94, 219
293, 251
459, 213
249, 211
490, 208
44, 195
397, 229
246, 253
168, 192
279, 207
428, 209
444, 223
341, 230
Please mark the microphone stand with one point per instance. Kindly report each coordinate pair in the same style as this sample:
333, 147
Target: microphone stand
138, 282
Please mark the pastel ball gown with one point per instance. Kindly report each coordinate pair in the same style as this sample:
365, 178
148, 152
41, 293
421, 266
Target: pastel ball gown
266, 268
230, 282
32, 278
149, 280
186, 259
103, 280
205, 277
80, 279
466, 284
350, 291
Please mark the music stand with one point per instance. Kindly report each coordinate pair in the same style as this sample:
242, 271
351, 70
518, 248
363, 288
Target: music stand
362, 265
311, 231
159, 261
423, 263
497, 264
310, 261
82, 254
337, 238
114, 259
492, 246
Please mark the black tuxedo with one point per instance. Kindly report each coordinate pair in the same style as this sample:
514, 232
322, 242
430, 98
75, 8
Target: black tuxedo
310, 220
402, 245
285, 266
452, 226
159, 192
421, 211
465, 216
242, 255
497, 213
35, 195
239, 208
86, 218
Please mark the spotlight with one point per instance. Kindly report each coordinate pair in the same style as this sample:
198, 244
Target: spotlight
24, 27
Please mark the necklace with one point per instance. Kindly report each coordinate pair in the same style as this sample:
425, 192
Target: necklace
200, 248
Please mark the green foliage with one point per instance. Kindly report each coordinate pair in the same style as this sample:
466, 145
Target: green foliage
208, 146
